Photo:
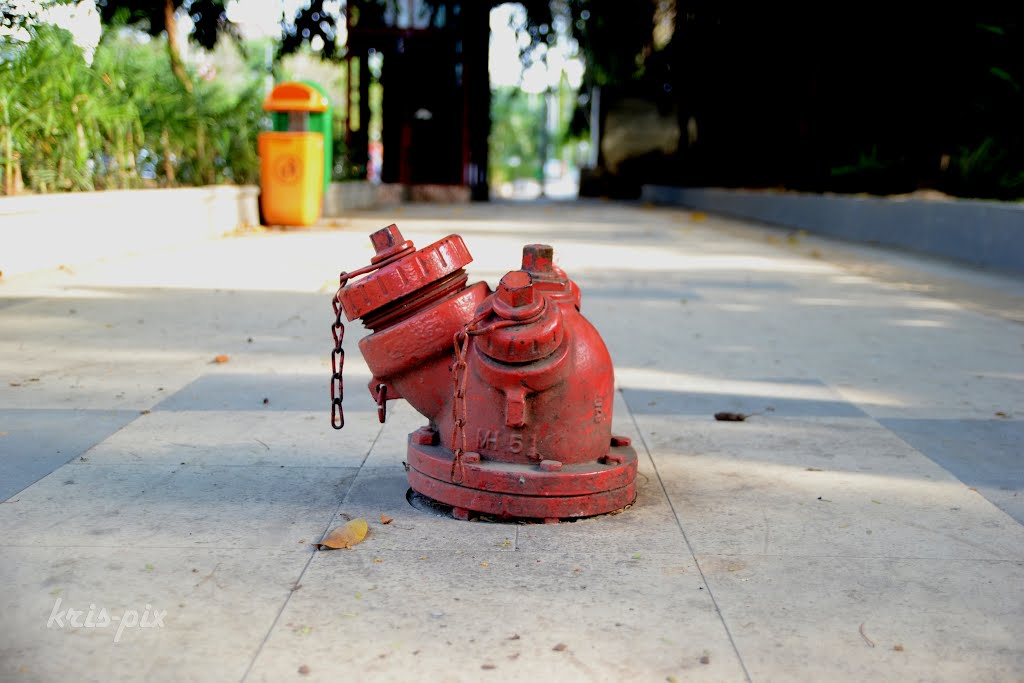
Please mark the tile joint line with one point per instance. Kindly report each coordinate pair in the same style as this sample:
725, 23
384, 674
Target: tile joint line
305, 567
689, 547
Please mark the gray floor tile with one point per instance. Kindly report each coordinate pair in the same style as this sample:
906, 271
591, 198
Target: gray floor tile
465, 615
826, 487
183, 506
237, 391
239, 439
218, 606
665, 401
985, 454
34, 443
820, 618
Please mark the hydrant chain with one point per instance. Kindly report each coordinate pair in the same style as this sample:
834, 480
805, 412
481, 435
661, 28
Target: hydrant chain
459, 402
338, 353
459, 374
338, 358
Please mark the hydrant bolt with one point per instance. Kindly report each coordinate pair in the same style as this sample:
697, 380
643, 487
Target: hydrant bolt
388, 242
386, 237
516, 289
538, 259
516, 298
424, 436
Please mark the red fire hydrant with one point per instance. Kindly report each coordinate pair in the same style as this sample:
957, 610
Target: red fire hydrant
517, 385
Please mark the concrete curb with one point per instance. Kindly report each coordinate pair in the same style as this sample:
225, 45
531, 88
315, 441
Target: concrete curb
44, 231
979, 233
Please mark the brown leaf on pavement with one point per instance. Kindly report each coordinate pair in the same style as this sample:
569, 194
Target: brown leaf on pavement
352, 533
384, 519
223, 358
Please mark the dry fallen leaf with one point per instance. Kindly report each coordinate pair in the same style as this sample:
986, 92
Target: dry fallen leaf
897, 648
698, 216
304, 670
352, 533
384, 519
560, 647
731, 417
223, 358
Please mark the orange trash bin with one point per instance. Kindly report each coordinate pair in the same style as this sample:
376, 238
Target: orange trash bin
292, 177
292, 162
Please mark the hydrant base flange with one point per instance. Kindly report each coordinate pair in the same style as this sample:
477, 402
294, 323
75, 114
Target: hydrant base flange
511, 490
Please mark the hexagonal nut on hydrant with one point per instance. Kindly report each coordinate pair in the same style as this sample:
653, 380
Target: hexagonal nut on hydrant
387, 242
515, 289
424, 436
516, 298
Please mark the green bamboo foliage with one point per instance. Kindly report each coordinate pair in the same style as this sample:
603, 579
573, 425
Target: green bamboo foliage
123, 121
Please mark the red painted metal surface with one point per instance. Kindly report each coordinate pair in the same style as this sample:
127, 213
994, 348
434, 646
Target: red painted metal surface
517, 386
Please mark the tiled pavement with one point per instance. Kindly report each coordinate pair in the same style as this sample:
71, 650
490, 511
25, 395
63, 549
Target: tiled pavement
865, 524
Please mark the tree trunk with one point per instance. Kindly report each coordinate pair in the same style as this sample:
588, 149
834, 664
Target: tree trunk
8, 162
165, 142
172, 46
129, 161
201, 169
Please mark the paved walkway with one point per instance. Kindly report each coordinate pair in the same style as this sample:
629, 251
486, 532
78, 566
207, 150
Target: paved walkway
864, 525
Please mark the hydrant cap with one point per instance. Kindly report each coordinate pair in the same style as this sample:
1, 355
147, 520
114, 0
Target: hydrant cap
406, 275
540, 331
